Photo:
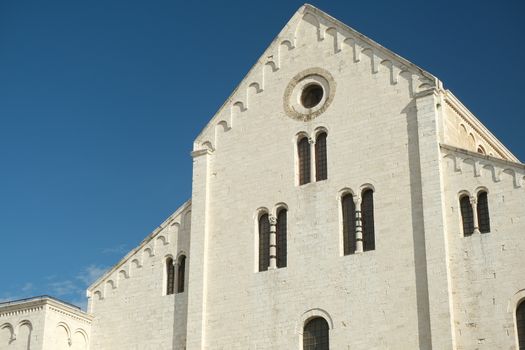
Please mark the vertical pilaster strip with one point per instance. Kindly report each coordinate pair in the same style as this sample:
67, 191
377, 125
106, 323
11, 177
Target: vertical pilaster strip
358, 225
197, 276
273, 242
435, 307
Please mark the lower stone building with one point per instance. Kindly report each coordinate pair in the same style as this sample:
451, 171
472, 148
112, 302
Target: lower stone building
342, 198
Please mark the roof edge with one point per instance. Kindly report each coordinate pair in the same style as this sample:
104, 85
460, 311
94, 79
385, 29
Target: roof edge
146, 240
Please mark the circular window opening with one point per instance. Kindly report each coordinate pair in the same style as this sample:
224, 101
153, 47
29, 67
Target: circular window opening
311, 96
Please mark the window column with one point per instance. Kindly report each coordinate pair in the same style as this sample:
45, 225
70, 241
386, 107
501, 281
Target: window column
474, 204
273, 242
358, 225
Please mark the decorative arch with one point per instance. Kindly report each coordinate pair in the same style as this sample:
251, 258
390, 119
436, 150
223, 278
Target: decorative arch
163, 239
454, 159
284, 47
136, 263
517, 300
332, 32
350, 44
22, 335
98, 295
122, 275
388, 65
7, 327
308, 28
80, 339
147, 252
208, 145
312, 313
66, 328
369, 52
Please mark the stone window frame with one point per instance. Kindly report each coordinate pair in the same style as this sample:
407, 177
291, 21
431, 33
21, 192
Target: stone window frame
368, 187
340, 195
463, 194
306, 317
180, 255
514, 302
257, 217
165, 278
312, 139
359, 234
277, 209
478, 191
473, 197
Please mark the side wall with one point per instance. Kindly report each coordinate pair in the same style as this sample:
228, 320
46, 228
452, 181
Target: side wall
487, 268
130, 306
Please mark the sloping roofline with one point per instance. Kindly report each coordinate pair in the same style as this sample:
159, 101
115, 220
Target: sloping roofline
145, 241
307, 8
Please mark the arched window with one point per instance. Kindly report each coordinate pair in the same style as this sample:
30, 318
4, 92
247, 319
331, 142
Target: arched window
481, 150
170, 276
367, 219
303, 151
315, 334
281, 239
181, 274
348, 205
520, 324
321, 166
466, 215
264, 242
483, 212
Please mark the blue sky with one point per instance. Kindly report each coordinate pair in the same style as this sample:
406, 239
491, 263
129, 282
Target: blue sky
100, 102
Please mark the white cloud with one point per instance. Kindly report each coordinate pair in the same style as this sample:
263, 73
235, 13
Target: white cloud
62, 288
27, 287
91, 274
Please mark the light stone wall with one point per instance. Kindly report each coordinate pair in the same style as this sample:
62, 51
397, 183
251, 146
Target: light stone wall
487, 269
43, 323
129, 303
373, 300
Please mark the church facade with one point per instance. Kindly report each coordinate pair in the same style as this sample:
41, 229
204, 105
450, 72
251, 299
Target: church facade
342, 198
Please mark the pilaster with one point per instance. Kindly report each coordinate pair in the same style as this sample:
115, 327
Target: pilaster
440, 305
197, 276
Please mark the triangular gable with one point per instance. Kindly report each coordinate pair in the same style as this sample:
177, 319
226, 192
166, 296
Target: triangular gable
323, 27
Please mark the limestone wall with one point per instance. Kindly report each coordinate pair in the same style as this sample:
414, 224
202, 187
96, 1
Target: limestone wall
43, 323
129, 303
487, 268
245, 161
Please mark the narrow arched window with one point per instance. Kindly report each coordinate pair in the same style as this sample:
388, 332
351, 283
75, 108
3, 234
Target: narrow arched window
316, 334
303, 152
367, 220
281, 239
321, 165
467, 217
170, 276
348, 206
520, 324
483, 212
181, 274
264, 242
